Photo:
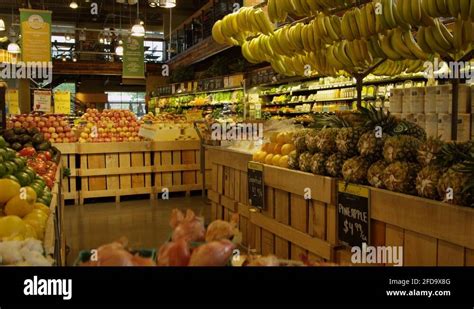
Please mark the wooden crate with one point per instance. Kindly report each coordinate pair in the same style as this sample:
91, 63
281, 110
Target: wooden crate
177, 166
431, 233
115, 170
68, 160
290, 225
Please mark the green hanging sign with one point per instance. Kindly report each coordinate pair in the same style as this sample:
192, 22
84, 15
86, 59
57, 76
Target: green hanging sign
133, 58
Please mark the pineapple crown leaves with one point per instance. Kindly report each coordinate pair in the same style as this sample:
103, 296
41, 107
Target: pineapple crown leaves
454, 152
322, 121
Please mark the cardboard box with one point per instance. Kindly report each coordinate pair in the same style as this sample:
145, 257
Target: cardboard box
445, 127
406, 108
396, 101
430, 100
417, 100
431, 124
444, 99
464, 127
420, 119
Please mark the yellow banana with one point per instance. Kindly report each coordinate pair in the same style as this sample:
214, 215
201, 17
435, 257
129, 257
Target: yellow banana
342, 54
413, 46
336, 25
399, 45
421, 40
388, 13
321, 26
377, 50
454, 7
346, 27
458, 34
465, 9
398, 15
311, 38
379, 19
432, 42
272, 11
370, 15
332, 33
304, 38
217, 34
427, 20
353, 23
387, 47
468, 34
415, 10
442, 8
439, 34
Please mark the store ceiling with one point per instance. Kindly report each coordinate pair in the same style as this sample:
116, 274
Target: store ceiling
107, 10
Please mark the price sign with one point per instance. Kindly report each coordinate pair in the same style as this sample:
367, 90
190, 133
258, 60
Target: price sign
353, 215
256, 186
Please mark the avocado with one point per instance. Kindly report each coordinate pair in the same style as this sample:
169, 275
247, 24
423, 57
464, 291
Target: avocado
38, 139
17, 146
33, 131
24, 139
19, 131
43, 146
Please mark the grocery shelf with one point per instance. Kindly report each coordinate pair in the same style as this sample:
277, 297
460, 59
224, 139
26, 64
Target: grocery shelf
200, 92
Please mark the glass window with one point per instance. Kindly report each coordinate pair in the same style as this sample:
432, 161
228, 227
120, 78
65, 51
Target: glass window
133, 101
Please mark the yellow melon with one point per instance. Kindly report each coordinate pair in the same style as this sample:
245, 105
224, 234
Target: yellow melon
277, 149
266, 147
262, 157
273, 137
283, 162
287, 149
282, 138
268, 159
276, 160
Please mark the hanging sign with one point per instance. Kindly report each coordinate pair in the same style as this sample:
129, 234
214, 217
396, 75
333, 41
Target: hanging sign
12, 102
256, 186
62, 102
35, 35
133, 58
42, 101
353, 215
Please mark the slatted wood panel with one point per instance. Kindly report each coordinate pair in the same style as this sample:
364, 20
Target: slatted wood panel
430, 233
68, 160
288, 224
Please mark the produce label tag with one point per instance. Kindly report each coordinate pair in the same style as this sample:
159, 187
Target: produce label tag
353, 214
256, 185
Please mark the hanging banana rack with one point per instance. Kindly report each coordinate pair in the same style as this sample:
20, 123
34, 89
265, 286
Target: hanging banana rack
3, 112
359, 77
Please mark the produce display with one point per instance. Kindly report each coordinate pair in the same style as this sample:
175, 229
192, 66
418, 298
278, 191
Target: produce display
360, 39
56, 128
108, 126
374, 148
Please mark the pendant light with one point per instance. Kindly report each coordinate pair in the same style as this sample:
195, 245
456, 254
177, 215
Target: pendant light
167, 4
13, 47
73, 5
138, 30
2, 25
119, 48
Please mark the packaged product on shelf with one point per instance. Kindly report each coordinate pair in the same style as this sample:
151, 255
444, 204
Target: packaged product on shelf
406, 108
417, 100
420, 119
431, 124
396, 101
430, 100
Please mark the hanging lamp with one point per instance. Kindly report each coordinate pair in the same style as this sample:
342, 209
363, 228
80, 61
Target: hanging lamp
138, 30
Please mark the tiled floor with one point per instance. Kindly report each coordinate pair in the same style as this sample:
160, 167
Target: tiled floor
144, 223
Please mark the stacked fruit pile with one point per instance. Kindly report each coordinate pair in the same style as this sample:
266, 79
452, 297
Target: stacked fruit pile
55, 128
373, 147
108, 126
333, 45
24, 198
42, 163
277, 151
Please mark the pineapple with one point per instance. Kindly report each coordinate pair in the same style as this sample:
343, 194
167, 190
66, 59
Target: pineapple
311, 140
299, 140
334, 165
427, 182
355, 170
401, 147
457, 181
429, 151
405, 127
305, 161
326, 141
347, 140
293, 160
374, 175
318, 164
371, 146
454, 153
400, 177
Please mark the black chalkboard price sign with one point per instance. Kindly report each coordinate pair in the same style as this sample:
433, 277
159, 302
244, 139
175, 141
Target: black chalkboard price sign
353, 215
256, 186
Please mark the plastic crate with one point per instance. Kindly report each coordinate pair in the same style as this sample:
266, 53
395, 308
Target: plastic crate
85, 255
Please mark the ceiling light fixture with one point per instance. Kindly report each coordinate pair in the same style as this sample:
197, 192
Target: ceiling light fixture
119, 50
167, 4
153, 3
13, 48
68, 37
138, 30
2, 25
73, 5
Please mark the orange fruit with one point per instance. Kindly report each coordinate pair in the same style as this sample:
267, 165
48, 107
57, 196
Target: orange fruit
276, 160
283, 162
277, 149
268, 159
287, 149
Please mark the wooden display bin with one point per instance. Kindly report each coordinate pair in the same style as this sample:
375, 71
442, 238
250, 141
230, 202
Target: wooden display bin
177, 166
115, 170
290, 225
68, 160
431, 233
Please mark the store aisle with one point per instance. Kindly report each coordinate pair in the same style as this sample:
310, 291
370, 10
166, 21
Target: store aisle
144, 223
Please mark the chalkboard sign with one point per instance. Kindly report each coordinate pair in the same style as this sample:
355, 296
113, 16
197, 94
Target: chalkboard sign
353, 215
256, 186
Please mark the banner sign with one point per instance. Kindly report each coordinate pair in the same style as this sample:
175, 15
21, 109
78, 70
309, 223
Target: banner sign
35, 35
13, 105
42, 101
62, 102
133, 58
